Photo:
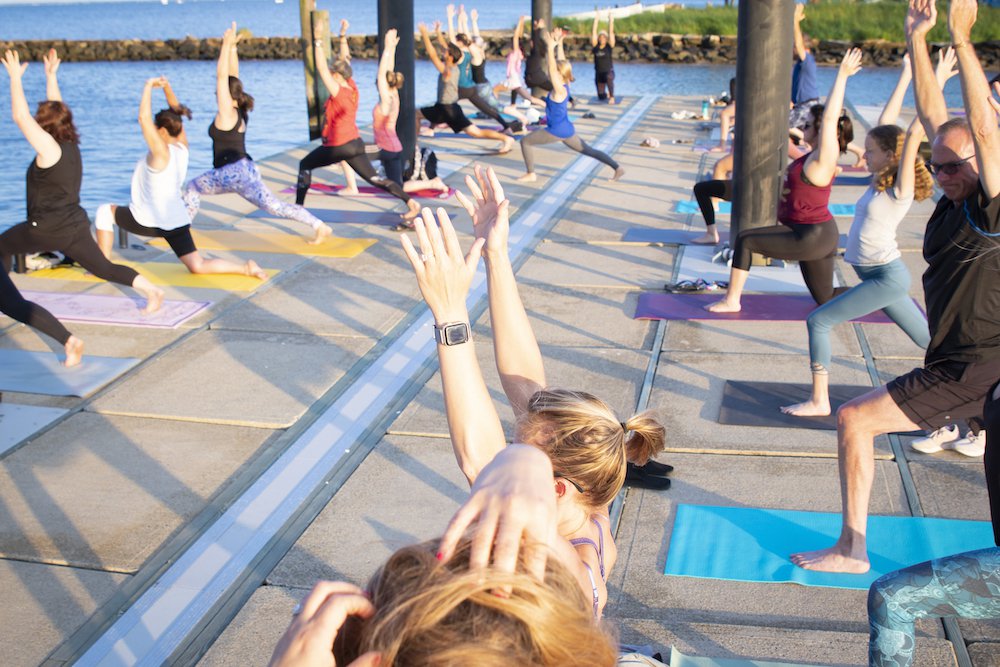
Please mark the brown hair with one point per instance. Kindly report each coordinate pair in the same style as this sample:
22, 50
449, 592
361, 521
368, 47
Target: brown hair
587, 442
395, 79
454, 52
56, 119
172, 119
845, 128
890, 138
243, 99
433, 614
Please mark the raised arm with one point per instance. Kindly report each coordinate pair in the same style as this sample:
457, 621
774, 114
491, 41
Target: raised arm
345, 47
227, 116
45, 146
976, 95
518, 33
559, 35
450, 9
386, 64
821, 165
159, 153
431, 51
558, 85
444, 276
175, 105
931, 108
441, 39
474, 18
51, 61
518, 359
593, 30
323, 69
463, 20
799, 44
890, 112
234, 55
905, 172
611, 29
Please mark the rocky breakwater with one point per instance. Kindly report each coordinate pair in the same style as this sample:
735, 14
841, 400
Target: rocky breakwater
649, 48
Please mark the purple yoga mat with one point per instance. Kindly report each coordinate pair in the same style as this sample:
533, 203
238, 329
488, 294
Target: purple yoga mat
118, 310
756, 307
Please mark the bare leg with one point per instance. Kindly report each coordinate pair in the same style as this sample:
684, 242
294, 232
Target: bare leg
731, 304
818, 404
352, 180
506, 143
197, 264
858, 422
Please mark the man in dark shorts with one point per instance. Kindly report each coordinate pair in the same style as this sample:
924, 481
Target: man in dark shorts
961, 286
805, 90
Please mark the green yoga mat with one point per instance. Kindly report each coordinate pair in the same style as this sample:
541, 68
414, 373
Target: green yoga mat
750, 544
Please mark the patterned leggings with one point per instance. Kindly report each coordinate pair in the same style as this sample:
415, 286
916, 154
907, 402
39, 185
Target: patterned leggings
965, 585
243, 178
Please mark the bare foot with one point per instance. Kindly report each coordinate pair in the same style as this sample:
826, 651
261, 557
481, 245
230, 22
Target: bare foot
619, 172
254, 271
530, 177
154, 299
706, 239
426, 132
611, 101
717, 149
832, 560
808, 409
347, 192
413, 210
723, 306
322, 232
74, 352
506, 146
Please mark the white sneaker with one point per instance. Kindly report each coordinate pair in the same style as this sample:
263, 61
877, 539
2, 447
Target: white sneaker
936, 440
971, 445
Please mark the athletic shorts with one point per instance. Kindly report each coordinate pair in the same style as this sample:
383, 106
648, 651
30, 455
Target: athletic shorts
538, 80
449, 114
944, 392
179, 240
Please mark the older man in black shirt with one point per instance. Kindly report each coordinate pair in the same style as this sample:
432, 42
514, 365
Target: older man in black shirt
961, 286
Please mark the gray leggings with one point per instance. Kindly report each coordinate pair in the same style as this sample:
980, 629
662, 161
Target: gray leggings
539, 137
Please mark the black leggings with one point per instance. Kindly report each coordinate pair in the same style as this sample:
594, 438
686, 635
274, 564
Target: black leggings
814, 246
27, 312
472, 94
74, 241
353, 153
541, 137
991, 423
703, 193
392, 162
605, 80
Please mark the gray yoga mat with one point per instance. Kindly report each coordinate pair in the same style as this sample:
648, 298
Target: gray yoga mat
43, 373
759, 404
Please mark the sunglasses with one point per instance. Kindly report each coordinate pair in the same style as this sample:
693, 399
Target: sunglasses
948, 168
575, 485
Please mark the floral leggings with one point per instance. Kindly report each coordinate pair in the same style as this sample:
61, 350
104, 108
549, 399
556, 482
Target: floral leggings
243, 178
965, 585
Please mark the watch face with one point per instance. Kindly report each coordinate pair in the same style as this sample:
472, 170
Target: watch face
455, 334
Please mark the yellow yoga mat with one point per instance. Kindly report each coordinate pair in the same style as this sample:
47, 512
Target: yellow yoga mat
285, 244
173, 274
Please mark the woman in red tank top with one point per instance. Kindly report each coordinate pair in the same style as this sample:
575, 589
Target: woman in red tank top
341, 140
807, 232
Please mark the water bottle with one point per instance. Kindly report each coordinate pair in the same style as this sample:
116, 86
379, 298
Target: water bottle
704, 109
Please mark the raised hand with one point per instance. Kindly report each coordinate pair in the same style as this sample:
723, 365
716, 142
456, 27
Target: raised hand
344, 25
12, 63
947, 65
51, 60
800, 12
489, 209
391, 38
156, 82
450, 9
474, 14
920, 18
229, 37
961, 18
851, 64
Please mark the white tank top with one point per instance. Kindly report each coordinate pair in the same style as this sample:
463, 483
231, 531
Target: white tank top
872, 239
156, 195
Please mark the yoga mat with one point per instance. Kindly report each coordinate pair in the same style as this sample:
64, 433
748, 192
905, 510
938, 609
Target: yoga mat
275, 242
118, 310
759, 404
678, 659
43, 373
680, 236
371, 191
725, 208
844, 179
18, 422
756, 308
173, 274
696, 262
751, 544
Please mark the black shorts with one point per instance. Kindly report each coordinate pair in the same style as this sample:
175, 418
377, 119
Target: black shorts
179, 240
538, 80
944, 392
450, 114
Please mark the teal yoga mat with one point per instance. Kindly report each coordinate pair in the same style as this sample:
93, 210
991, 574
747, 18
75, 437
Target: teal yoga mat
725, 208
750, 544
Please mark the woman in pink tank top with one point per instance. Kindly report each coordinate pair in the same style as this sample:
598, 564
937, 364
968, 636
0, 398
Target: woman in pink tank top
807, 232
386, 112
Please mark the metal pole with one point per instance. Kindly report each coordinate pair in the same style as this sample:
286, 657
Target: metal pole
306, 8
321, 31
763, 89
542, 9
398, 14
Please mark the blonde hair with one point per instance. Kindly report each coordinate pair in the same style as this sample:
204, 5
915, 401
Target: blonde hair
587, 442
890, 138
433, 614
565, 69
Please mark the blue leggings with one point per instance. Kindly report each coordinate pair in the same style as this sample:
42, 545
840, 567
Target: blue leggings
243, 178
963, 586
883, 287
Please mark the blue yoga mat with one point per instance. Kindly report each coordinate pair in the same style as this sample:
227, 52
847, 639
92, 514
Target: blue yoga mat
750, 544
725, 208
43, 373
680, 236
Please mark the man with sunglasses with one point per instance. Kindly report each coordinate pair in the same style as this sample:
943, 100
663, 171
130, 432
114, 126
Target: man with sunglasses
961, 285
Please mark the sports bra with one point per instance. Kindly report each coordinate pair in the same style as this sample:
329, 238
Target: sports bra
599, 548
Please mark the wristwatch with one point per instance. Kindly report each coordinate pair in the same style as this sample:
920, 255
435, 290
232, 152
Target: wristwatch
452, 333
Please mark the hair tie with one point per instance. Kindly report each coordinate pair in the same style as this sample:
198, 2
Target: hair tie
624, 428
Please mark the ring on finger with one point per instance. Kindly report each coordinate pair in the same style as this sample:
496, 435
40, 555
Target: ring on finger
426, 257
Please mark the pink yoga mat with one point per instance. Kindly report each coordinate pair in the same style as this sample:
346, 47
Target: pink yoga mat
756, 307
372, 191
117, 310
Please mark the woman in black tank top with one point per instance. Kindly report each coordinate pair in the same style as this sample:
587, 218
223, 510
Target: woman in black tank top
602, 46
56, 221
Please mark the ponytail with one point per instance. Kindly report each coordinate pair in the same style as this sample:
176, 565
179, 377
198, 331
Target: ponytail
244, 101
645, 437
